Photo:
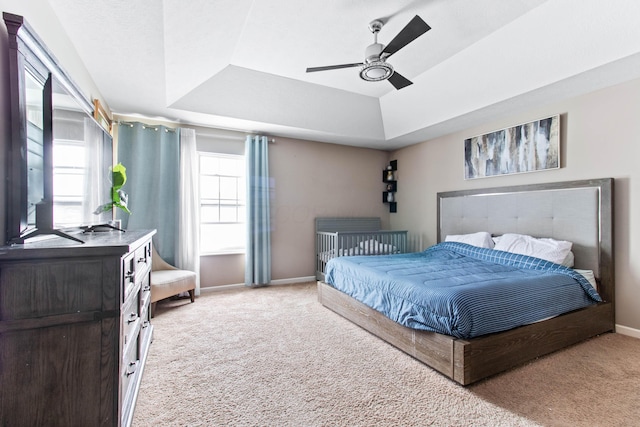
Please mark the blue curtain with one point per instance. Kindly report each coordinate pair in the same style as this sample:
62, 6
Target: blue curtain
151, 155
258, 252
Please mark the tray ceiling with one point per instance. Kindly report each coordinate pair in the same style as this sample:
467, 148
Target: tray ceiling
240, 64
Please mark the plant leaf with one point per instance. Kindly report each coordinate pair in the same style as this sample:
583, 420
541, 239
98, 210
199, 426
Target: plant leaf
119, 176
118, 197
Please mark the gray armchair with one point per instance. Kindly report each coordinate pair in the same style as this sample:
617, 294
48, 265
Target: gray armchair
167, 281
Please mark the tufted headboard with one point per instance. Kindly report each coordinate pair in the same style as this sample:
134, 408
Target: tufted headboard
578, 211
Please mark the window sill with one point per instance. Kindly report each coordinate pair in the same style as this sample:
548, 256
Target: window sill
238, 252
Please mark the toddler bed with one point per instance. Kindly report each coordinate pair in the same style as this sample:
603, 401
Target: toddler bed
578, 211
336, 237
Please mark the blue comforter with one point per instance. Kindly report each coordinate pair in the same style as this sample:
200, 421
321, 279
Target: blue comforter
461, 290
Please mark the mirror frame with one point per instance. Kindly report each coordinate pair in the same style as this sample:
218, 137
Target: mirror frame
28, 52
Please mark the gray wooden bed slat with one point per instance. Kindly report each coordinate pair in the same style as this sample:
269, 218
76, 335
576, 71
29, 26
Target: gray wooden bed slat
348, 224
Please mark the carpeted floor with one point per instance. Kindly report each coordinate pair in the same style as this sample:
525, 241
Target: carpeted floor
275, 357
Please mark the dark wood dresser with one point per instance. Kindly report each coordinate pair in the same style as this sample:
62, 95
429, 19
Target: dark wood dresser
74, 329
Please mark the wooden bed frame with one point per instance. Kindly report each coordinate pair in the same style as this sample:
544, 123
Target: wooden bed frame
469, 360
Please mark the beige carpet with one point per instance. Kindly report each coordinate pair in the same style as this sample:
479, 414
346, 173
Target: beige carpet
275, 357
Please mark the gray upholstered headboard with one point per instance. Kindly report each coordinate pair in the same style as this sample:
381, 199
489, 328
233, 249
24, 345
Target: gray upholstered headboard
578, 211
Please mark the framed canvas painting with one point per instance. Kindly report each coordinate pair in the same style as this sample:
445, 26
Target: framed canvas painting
528, 147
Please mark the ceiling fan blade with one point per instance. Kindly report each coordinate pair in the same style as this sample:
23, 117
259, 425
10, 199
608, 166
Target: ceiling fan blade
332, 67
414, 29
399, 81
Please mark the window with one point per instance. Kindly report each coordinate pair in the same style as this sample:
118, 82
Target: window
222, 203
68, 182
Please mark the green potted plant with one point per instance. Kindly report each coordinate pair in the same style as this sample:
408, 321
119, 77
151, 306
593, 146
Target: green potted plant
119, 198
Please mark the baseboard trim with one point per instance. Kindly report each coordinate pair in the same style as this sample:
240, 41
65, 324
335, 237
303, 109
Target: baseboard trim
272, 283
293, 280
625, 330
221, 287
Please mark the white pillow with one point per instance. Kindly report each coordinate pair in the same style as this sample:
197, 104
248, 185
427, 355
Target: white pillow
374, 247
481, 239
548, 249
569, 260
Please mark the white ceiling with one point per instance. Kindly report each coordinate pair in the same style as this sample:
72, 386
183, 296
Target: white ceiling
240, 64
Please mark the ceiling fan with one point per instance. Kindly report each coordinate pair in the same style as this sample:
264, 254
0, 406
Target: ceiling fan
375, 66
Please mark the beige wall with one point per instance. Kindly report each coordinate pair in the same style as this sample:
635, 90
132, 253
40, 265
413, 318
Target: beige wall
315, 179
600, 135
310, 179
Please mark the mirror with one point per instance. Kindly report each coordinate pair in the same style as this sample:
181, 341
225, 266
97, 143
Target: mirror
60, 157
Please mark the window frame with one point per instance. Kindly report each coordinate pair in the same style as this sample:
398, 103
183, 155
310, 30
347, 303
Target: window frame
239, 202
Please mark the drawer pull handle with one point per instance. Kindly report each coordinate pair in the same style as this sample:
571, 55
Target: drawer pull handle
145, 324
132, 317
142, 259
130, 275
131, 369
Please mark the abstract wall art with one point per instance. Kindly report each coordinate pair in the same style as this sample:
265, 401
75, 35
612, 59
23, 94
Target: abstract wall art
528, 147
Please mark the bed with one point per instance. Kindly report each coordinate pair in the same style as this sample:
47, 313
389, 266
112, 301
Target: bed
347, 236
577, 211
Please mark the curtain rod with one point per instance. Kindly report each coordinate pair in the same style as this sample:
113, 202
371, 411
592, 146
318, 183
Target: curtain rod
144, 126
230, 137
167, 129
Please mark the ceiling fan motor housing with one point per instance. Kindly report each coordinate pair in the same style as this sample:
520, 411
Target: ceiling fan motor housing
374, 69
372, 52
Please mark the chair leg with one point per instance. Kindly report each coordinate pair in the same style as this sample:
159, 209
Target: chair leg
192, 294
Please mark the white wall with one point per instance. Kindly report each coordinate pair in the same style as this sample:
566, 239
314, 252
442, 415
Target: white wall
44, 22
600, 135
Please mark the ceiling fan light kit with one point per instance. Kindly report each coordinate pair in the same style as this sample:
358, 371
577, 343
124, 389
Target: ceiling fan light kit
375, 66
376, 71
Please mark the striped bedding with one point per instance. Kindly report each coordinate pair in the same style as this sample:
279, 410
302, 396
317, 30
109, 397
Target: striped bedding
461, 290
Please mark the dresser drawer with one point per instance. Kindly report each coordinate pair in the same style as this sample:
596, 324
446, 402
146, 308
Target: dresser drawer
145, 285
131, 366
128, 275
145, 293
145, 328
143, 260
130, 320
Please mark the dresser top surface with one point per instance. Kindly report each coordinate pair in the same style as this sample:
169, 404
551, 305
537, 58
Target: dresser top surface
114, 242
